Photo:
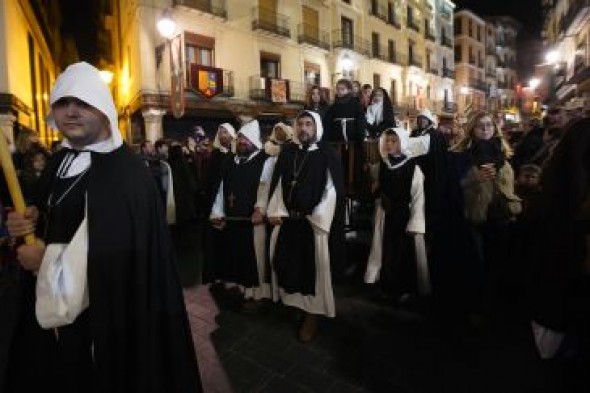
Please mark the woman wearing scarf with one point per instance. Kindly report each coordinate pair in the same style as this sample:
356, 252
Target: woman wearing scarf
316, 102
398, 254
484, 182
281, 134
379, 113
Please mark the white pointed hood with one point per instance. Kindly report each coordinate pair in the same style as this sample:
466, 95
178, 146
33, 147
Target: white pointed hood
251, 131
232, 131
404, 139
427, 114
83, 81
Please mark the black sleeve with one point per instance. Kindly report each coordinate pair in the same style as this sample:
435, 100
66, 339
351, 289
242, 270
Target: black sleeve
360, 123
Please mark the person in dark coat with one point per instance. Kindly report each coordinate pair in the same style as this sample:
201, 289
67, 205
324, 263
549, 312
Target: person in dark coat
103, 309
379, 113
34, 164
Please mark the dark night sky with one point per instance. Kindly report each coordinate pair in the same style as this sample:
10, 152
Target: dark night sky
528, 13
79, 22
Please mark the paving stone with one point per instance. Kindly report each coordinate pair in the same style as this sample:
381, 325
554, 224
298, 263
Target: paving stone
282, 385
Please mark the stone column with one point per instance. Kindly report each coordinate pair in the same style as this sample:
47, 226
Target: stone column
7, 126
153, 124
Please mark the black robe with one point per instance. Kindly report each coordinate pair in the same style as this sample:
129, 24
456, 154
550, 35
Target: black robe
398, 271
136, 320
294, 259
237, 261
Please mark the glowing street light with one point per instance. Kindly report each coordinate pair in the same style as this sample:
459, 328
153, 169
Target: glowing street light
166, 24
534, 83
552, 57
106, 76
346, 63
464, 90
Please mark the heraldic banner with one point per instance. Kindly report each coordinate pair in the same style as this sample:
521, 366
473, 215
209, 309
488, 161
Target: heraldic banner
208, 81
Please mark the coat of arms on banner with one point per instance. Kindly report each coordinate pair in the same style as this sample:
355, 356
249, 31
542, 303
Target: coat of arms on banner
207, 80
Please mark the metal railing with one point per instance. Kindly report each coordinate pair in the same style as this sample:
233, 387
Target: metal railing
478, 84
448, 73
416, 61
446, 106
355, 43
271, 21
213, 7
378, 10
432, 70
429, 35
446, 41
308, 34
491, 72
413, 25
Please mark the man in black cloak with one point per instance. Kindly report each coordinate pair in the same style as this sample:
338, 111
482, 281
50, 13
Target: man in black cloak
306, 207
103, 308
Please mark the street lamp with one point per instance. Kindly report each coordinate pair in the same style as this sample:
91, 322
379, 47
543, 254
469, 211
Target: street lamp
552, 57
106, 76
166, 24
534, 83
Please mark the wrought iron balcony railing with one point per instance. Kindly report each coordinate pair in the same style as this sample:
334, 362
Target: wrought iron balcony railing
446, 41
311, 35
355, 43
270, 21
448, 73
213, 7
416, 61
413, 25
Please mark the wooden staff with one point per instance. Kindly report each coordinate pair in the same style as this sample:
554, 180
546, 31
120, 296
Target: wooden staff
16, 193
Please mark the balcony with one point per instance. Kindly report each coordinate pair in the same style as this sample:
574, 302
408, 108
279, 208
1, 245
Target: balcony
478, 84
415, 61
413, 25
570, 23
276, 90
213, 7
472, 60
311, 35
378, 11
446, 106
445, 14
270, 21
446, 41
393, 20
581, 71
503, 85
355, 43
491, 48
429, 35
448, 73
432, 70
490, 72
384, 54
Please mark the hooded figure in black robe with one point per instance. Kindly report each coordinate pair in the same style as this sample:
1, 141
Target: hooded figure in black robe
105, 312
307, 240
238, 214
559, 257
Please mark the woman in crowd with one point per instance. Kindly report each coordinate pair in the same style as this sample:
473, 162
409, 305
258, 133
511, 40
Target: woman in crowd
315, 101
281, 134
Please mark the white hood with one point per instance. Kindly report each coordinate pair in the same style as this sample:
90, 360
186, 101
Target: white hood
232, 131
251, 131
404, 139
83, 81
427, 114
286, 128
319, 127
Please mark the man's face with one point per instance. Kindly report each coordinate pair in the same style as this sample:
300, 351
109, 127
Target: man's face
81, 123
148, 149
224, 137
342, 90
306, 132
39, 162
528, 179
163, 151
244, 146
484, 129
423, 122
315, 95
280, 134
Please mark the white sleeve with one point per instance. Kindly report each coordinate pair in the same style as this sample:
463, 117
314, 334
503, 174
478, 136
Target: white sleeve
276, 205
417, 223
323, 213
419, 146
218, 210
264, 185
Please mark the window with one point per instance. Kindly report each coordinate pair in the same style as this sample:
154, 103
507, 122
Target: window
390, 12
428, 60
311, 74
459, 27
458, 53
470, 28
446, 99
428, 91
479, 33
376, 81
375, 44
410, 15
444, 63
346, 1
270, 65
199, 50
347, 32
411, 51
374, 7
393, 91
391, 50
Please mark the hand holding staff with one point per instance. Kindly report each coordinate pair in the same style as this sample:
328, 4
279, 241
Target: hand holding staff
13, 186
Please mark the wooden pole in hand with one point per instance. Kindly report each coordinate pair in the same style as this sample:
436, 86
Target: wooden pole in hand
16, 193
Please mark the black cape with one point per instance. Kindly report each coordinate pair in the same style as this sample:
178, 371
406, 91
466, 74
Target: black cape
138, 322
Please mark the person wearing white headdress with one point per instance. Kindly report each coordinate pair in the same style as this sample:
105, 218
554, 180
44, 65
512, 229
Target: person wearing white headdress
109, 313
238, 212
306, 210
398, 255
280, 135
